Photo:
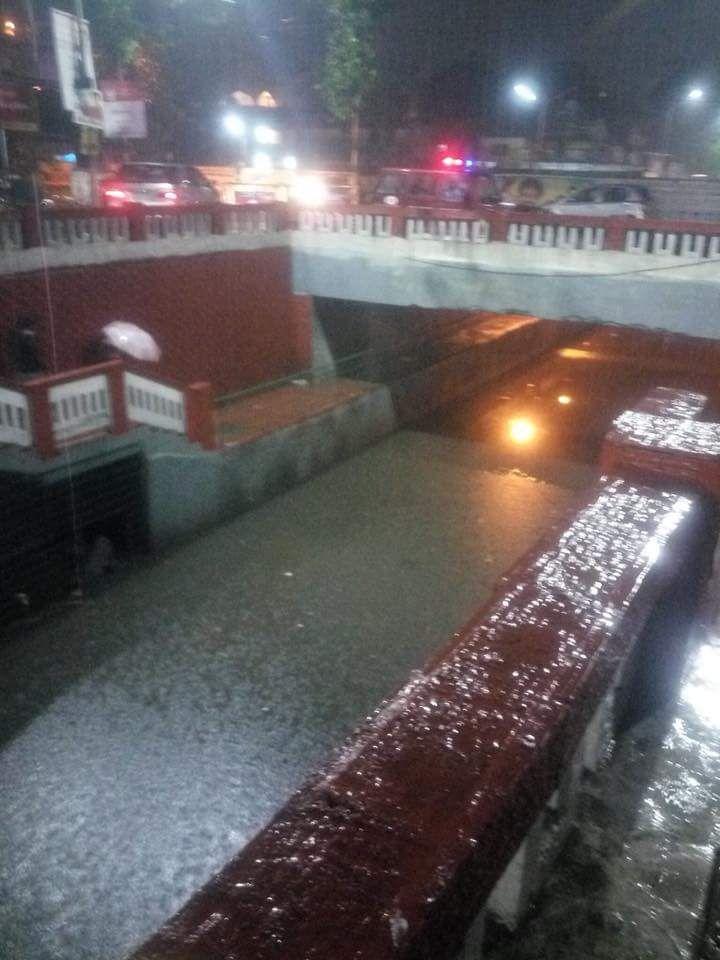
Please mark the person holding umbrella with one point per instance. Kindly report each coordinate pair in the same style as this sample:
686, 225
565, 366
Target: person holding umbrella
120, 340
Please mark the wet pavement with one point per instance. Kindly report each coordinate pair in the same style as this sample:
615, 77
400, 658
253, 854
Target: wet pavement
148, 732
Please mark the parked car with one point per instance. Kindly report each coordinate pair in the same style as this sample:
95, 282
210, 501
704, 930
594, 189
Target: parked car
157, 185
604, 200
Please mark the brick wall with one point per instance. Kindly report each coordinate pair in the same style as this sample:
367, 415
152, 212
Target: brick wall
227, 317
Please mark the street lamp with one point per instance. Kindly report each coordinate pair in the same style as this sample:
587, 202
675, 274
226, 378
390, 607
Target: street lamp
692, 96
524, 92
528, 94
234, 125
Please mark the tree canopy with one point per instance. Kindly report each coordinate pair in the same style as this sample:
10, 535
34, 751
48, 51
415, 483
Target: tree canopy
351, 60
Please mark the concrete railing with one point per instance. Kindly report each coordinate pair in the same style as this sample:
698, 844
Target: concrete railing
49, 413
692, 239
14, 418
154, 404
444, 804
10, 232
81, 406
77, 226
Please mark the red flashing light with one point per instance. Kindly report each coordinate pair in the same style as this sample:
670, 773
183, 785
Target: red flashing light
115, 194
447, 161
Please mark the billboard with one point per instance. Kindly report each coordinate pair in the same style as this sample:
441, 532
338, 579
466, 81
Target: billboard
76, 70
124, 108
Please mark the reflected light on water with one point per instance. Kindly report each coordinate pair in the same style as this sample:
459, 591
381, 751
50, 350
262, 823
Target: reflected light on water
522, 430
702, 689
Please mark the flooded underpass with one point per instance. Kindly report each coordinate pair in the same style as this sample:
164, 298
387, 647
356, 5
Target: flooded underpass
633, 881
147, 732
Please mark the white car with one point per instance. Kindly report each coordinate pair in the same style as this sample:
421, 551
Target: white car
606, 200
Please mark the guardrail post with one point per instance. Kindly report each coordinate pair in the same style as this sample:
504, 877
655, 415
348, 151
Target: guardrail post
498, 227
398, 223
615, 233
116, 397
199, 415
218, 220
137, 224
43, 431
31, 227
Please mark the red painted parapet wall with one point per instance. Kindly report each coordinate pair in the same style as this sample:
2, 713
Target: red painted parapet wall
393, 849
690, 238
229, 317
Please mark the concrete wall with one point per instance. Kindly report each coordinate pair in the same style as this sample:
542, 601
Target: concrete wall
673, 293
225, 315
189, 488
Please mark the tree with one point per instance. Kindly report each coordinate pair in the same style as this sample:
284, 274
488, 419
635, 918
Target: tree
116, 30
350, 67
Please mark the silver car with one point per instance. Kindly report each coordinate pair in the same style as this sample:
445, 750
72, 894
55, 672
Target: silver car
604, 200
157, 185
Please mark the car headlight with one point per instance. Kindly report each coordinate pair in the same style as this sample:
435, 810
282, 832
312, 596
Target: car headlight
310, 192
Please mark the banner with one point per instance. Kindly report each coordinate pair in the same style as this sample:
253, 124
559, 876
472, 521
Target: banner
76, 70
124, 109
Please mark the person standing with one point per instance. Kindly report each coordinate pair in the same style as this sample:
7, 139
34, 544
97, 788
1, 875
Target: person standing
23, 351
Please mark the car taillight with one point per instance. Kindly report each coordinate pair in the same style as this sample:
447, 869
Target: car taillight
115, 193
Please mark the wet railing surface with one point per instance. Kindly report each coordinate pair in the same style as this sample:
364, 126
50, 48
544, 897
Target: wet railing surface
391, 851
662, 441
78, 226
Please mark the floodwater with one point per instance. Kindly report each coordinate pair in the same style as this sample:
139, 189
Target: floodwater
148, 732
633, 881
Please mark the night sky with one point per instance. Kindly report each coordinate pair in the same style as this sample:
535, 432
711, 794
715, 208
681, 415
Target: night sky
636, 51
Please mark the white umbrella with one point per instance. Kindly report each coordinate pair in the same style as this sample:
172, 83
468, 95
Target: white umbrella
132, 340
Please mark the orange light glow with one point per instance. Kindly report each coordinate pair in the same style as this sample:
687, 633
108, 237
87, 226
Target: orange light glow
10, 28
564, 399
522, 430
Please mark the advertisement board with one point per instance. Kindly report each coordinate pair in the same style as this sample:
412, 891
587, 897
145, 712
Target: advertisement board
76, 70
124, 110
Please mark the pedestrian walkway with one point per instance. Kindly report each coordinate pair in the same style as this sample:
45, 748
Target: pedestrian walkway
256, 414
